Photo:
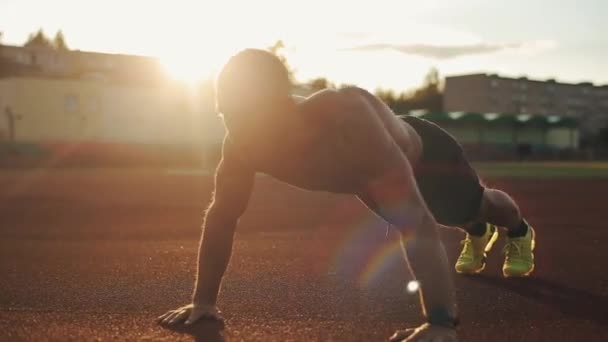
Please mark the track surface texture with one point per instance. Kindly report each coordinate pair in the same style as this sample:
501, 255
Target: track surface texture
99, 254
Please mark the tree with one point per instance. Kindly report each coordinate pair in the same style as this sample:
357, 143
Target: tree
428, 96
432, 78
320, 83
388, 96
278, 48
38, 39
59, 41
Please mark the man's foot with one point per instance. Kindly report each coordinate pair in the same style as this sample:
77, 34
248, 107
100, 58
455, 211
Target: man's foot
519, 256
472, 259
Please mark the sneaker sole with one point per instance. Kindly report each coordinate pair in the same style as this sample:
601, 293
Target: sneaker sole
533, 245
477, 271
488, 247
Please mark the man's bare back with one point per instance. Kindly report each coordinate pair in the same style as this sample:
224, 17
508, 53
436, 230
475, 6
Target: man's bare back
344, 141
336, 141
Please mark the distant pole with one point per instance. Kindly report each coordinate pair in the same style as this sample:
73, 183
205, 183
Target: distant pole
10, 117
572, 138
514, 139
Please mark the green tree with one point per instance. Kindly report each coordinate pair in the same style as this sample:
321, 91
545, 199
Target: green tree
278, 48
388, 96
59, 41
430, 95
320, 83
38, 39
432, 78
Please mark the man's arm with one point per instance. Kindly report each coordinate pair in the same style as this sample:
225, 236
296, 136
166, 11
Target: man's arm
393, 194
396, 198
233, 187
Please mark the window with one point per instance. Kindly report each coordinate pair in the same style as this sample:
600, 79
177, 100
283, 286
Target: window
494, 83
523, 86
24, 58
519, 98
71, 103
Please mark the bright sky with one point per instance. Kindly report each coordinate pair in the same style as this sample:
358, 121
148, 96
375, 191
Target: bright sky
388, 43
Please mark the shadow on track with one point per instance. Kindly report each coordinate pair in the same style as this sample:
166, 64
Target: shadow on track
203, 331
571, 301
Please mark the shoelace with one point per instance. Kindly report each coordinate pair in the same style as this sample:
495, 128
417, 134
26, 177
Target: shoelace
510, 249
468, 243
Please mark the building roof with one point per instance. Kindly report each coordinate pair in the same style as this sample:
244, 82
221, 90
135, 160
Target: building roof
497, 118
525, 78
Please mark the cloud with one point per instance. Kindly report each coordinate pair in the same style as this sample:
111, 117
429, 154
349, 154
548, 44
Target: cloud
455, 51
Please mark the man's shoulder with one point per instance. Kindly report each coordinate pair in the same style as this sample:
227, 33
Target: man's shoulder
335, 104
335, 94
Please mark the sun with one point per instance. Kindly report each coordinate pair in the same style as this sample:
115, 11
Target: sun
188, 67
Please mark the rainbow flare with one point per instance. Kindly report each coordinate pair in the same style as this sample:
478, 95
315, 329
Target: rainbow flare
380, 262
361, 252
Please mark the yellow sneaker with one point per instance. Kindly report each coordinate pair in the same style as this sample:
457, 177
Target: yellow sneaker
519, 256
472, 258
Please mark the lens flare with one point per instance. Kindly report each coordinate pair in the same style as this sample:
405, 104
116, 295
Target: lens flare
413, 286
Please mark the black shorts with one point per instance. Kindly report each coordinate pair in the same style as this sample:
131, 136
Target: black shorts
449, 185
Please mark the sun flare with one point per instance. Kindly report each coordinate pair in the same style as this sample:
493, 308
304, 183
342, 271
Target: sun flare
188, 68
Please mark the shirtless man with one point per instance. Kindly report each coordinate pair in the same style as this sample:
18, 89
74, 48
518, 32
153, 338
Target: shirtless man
346, 141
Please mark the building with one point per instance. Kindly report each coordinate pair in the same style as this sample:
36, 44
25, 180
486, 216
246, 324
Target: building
51, 110
51, 97
491, 93
48, 62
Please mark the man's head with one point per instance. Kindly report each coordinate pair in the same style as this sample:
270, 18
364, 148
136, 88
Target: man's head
252, 81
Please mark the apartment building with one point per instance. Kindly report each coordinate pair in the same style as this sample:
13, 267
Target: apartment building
491, 93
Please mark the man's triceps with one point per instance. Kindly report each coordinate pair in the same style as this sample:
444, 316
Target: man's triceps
233, 187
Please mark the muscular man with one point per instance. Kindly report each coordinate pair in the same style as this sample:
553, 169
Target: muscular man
409, 172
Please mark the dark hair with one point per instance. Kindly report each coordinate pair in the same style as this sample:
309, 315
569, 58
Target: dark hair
252, 77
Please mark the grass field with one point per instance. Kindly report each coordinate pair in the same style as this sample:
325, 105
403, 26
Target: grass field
543, 170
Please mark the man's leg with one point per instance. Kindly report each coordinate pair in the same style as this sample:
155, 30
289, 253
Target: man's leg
479, 240
499, 209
